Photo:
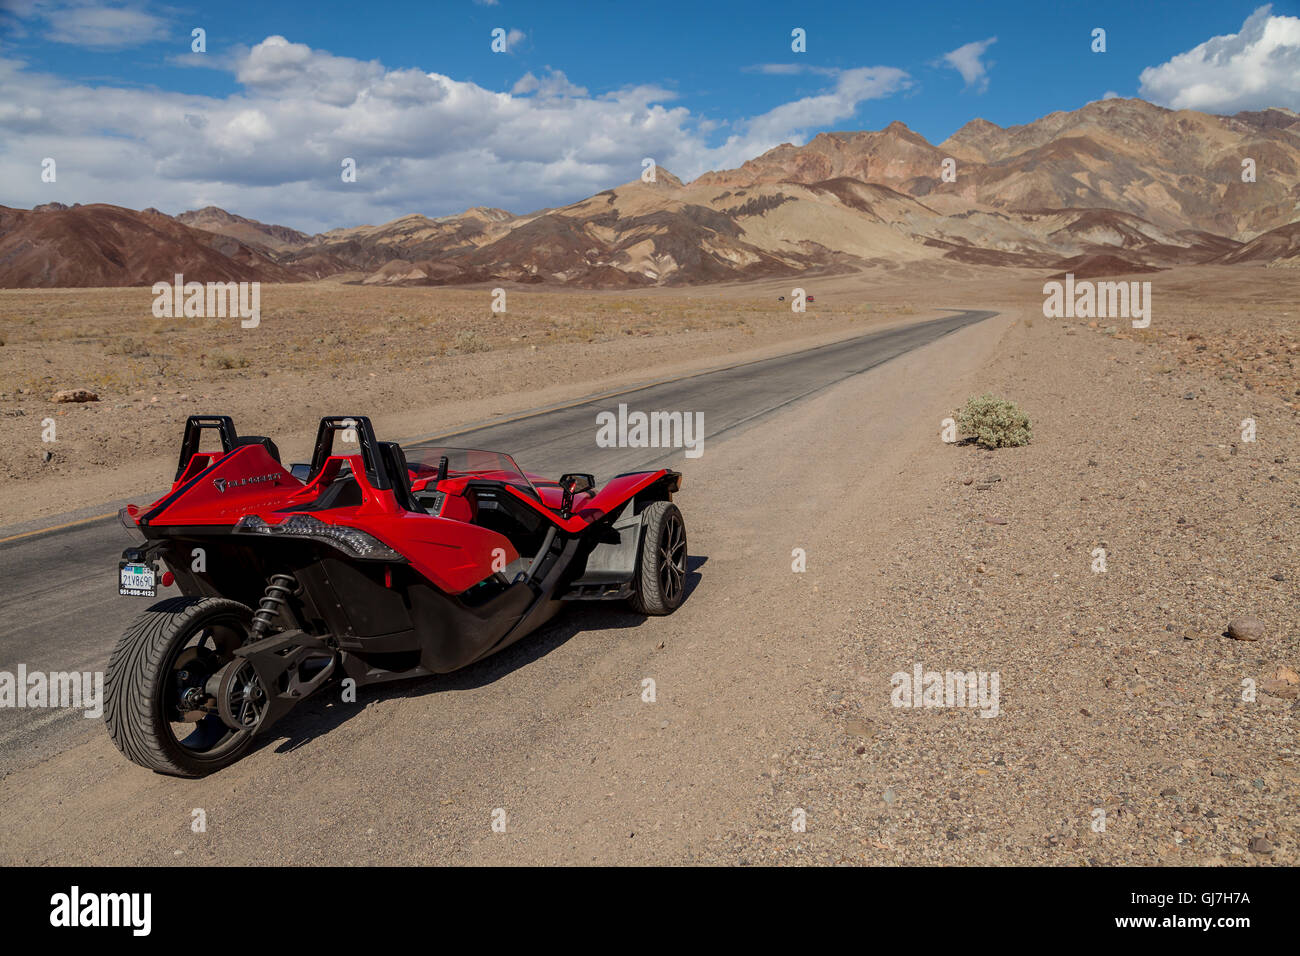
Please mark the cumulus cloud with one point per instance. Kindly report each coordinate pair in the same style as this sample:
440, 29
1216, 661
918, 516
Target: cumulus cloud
1252, 69
967, 60
423, 142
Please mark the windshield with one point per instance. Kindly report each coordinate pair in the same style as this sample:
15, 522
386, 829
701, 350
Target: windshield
423, 461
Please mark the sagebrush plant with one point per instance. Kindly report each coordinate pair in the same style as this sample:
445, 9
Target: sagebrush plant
469, 342
994, 422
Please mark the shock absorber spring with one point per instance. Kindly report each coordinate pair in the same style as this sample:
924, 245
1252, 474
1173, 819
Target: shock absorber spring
276, 596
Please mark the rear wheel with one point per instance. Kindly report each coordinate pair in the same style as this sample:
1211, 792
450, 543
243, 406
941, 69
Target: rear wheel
660, 583
159, 703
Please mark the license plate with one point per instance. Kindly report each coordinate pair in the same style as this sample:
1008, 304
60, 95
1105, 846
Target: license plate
137, 580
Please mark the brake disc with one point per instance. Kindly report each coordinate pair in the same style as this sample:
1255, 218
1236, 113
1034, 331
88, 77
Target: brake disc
241, 699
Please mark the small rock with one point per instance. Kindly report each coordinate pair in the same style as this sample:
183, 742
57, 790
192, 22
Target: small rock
1246, 629
889, 797
994, 519
46, 457
1278, 577
859, 728
1281, 688
1260, 845
1189, 396
75, 395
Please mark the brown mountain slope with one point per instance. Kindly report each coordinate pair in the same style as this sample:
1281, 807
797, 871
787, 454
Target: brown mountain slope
667, 233
1280, 246
248, 231
102, 245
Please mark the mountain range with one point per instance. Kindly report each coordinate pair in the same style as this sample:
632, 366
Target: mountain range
1117, 186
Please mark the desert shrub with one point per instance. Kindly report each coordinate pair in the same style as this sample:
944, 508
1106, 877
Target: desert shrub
994, 422
230, 361
470, 341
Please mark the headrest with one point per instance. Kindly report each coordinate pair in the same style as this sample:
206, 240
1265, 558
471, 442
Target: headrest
259, 440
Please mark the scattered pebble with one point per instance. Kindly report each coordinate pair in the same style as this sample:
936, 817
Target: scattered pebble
1246, 629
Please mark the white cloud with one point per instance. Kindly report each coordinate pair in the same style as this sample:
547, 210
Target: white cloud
87, 23
423, 142
851, 88
967, 61
514, 38
555, 83
790, 69
1256, 68
1110, 95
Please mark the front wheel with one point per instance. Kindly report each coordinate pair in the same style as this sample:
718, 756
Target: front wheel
159, 703
660, 582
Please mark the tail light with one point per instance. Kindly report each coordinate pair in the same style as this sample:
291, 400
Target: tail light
350, 541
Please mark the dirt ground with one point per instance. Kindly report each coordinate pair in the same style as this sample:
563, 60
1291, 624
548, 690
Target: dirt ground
1122, 702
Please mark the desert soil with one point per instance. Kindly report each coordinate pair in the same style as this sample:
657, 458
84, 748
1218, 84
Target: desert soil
1121, 699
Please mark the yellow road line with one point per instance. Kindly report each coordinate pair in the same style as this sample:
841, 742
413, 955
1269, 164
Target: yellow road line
59, 527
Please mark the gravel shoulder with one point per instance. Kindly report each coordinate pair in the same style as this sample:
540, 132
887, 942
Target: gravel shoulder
1121, 697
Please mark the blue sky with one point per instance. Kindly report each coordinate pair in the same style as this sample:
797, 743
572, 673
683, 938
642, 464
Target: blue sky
258, 124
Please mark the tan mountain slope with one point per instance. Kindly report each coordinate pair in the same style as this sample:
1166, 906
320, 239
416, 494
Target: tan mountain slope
1177, 169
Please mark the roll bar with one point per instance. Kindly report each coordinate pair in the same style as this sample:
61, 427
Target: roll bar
194, 427
376, 473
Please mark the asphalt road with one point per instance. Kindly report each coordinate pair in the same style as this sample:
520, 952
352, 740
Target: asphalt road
59, 607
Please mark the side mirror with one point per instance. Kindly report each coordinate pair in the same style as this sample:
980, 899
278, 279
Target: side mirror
300, 470
573, 486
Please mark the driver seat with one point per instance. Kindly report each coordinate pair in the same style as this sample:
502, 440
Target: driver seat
394, 462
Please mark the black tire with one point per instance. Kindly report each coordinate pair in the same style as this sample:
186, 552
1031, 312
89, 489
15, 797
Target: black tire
660, 582
140, 706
